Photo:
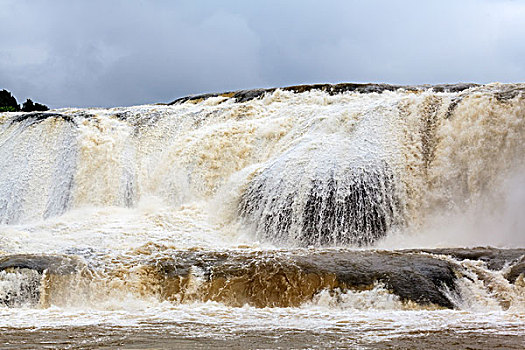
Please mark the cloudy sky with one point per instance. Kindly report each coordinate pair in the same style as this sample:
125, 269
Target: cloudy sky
117, 53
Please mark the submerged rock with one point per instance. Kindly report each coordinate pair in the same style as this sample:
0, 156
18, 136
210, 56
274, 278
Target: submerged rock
290, 278
496, 259
518, 269
21, 276
282, 278
358, 208
328, 190
55, 264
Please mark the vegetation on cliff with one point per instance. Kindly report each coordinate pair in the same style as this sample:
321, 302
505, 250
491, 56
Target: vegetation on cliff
8, 103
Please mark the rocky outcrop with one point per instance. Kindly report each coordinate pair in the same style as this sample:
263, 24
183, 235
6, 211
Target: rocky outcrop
516, 270
354, 206
55, 264
332, 89
21, 276
279, 278
496, 259
289, 279
37, 117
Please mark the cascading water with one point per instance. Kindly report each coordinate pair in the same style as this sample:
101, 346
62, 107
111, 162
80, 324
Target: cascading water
232, 211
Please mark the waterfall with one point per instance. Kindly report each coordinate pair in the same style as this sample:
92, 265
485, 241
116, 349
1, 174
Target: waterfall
320, 215
310, 165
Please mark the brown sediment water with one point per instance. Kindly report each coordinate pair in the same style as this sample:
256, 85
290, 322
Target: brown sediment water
324, 216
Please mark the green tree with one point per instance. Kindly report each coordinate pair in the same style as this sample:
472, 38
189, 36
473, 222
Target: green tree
8, 102
30, 106
40, 107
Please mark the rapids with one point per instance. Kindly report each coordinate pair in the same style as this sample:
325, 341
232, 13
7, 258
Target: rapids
333, 215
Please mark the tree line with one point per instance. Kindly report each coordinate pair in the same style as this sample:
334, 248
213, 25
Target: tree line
8, 103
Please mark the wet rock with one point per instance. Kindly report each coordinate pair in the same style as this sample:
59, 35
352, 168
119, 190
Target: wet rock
278, 278
296, 277
19, 287
508, 92
495, 258
38, 117
453, 105
247, 95
21, 276
332, 89
289, 278
52, 263
354, 206
516, 270
418, 278
450, 87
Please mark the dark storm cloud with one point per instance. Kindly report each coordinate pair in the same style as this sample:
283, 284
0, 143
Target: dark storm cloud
107, 53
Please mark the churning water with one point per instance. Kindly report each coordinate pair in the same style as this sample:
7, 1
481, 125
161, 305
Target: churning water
305, 217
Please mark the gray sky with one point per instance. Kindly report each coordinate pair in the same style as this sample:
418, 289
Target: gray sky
118, 53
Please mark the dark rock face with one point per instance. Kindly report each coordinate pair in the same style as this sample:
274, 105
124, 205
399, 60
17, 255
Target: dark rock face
332, 89
24, 272
20, 287
516, 270
52, 263
504, 94
495, 259
360, 216
293, 277
414, 277
280, 278
508, 93
38, 117
356, 205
